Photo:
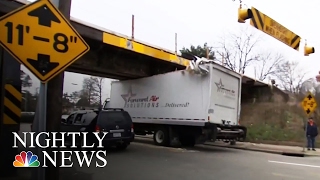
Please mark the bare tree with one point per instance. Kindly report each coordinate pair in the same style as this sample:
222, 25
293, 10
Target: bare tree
290, 76
267, 65
237, 50
74, 97
89, 91
98, 85
26, 80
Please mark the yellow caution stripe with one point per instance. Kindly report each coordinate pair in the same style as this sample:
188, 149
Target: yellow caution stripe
12, 104
140, 48
271, 27
257, 19
295, 42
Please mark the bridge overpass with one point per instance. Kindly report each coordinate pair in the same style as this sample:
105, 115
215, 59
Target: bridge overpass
111, 55
114, 55
117, 56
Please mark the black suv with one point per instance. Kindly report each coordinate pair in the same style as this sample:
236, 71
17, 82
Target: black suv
116, 122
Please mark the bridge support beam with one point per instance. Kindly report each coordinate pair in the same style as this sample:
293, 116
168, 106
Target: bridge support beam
10, 110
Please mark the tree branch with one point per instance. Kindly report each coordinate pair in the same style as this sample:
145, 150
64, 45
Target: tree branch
237, 50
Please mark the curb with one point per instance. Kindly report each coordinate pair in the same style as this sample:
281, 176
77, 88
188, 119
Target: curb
271, 151
280, 152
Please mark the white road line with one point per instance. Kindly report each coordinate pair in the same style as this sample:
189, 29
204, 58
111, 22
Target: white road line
294, 164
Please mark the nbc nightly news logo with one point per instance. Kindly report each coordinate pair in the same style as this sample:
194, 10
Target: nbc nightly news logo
28, 159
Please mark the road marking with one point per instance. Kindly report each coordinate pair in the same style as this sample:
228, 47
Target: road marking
288, 176
294, 164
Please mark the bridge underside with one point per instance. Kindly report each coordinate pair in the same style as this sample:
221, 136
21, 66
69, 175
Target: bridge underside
108, 61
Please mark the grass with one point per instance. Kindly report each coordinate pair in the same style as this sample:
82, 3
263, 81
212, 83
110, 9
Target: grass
274, 123
260, 132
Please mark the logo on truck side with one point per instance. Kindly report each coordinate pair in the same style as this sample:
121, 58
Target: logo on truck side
128, 96
146, 102
222, 89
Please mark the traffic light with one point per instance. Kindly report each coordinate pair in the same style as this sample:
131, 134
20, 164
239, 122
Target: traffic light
308, 50
244, 14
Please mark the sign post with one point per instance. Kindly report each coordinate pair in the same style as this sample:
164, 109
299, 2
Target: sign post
309, 105
42, 110
43, 40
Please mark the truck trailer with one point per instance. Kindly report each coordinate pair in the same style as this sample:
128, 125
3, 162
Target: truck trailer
183, 105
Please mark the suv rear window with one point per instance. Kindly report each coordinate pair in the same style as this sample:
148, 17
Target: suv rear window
109, 117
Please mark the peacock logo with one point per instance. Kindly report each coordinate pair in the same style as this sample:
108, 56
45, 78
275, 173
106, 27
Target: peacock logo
26, 159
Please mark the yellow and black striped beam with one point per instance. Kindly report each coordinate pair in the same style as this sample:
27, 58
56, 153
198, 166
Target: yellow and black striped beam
12, 104
273, 28
141, 48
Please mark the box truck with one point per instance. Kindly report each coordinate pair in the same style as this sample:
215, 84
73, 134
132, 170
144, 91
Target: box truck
182, 105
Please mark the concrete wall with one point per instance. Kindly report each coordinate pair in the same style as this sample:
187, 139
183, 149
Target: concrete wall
252, 94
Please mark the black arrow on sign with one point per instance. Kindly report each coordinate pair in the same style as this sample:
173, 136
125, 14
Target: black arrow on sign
43, 64
44, 15
308, 111
309, 97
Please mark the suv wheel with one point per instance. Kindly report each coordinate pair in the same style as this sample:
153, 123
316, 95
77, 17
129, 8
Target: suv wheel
161, 137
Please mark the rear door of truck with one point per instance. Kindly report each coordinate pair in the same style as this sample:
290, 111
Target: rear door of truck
225, 96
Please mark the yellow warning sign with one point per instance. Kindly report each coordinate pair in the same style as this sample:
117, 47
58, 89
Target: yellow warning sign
41, 38
309, 104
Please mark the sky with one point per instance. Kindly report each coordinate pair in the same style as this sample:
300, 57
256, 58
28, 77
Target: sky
196, 22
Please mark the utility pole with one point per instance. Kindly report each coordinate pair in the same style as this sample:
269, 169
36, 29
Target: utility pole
132, 27
54, 98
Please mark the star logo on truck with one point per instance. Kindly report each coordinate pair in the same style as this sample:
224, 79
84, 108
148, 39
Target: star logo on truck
219, 85
222, 89
126, 97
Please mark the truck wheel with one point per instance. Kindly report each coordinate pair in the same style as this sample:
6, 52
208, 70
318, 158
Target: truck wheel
161, 137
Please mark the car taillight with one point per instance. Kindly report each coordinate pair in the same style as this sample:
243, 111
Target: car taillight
97, 128
132, 129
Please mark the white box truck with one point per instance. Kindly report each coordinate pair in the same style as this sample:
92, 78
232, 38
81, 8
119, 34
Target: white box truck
181, 105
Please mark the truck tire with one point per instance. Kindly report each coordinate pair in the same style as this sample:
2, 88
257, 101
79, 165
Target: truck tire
161, 136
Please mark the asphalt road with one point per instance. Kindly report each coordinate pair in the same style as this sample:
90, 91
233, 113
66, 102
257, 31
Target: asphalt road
144, 161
